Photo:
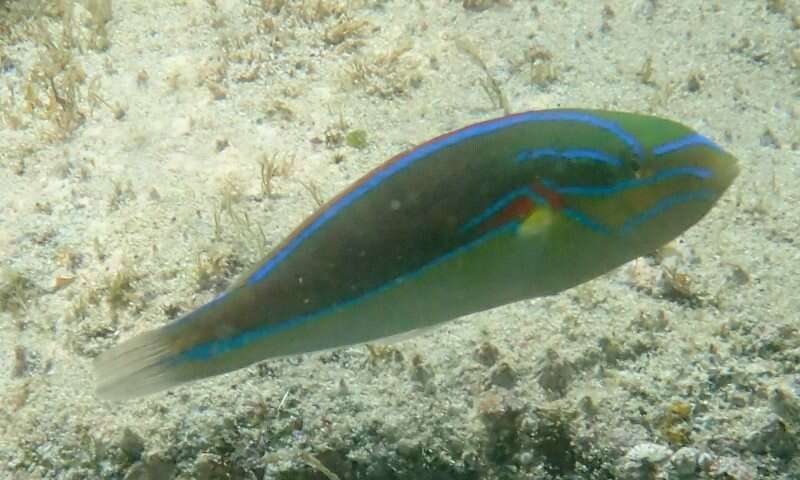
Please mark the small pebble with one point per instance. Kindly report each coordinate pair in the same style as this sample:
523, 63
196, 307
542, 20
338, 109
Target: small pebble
694, 83
684, 461
785, 401
486, 354
555, 374
643, 460
706, 460
131, 444
502, 375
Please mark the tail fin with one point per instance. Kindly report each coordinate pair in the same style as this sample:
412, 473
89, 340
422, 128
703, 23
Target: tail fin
160, 359
139, 366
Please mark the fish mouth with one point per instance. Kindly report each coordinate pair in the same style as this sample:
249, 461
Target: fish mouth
724, 169
729, 170
715, 167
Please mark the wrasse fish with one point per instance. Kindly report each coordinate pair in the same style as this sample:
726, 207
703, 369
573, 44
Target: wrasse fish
517, 207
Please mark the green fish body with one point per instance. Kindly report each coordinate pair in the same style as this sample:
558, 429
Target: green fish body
512, 208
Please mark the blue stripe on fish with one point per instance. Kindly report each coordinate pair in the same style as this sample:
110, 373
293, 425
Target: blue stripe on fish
685, 142
663, 205
573, 154
635, 221
605, 190
586, 221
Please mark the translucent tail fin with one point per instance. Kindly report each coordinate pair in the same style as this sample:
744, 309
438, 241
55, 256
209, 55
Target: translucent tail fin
139, 366
162, 358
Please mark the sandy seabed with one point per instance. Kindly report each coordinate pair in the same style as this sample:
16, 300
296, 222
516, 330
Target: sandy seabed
151, 151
